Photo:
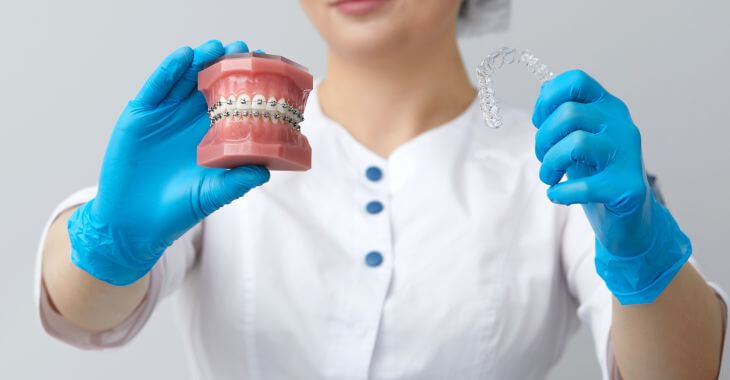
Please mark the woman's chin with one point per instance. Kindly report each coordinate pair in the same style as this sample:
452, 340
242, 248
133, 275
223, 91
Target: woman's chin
367, 43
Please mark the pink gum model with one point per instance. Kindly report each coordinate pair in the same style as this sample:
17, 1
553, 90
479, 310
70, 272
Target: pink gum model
255, 105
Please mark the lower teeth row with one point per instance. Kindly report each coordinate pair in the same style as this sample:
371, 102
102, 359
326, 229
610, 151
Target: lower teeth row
236, 115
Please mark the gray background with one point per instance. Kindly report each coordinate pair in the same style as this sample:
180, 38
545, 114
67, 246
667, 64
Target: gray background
68, 67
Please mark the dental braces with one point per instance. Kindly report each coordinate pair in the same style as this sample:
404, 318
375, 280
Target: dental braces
243, 107
506, 55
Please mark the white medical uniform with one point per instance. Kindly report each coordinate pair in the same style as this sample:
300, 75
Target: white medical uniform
444, 261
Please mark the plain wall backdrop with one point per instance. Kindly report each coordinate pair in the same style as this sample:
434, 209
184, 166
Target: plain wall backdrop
69, 67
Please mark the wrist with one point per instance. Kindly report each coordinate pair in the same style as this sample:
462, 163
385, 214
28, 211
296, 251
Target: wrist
106, 253
631, 233
640, 278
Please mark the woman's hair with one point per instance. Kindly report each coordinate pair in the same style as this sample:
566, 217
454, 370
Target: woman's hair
479, 17
464, 8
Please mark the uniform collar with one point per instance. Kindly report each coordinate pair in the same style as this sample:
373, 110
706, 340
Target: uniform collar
439, 148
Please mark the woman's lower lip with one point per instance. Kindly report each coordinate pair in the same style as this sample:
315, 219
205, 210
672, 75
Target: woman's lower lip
358, 7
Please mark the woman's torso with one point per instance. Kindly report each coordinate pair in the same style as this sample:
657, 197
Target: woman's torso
471, 283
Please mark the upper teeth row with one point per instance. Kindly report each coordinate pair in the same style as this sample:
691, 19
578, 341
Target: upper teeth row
244, 106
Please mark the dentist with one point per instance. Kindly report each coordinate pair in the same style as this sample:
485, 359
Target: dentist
421, 245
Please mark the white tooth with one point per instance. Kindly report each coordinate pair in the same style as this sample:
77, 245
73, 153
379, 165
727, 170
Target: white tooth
292, 114
244, 103
271, 108
231, 105
271, 104
221, 107
258, 103
281, 110
280, 106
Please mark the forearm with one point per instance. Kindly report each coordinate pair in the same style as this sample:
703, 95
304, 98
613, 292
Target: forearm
83, 300
679, 336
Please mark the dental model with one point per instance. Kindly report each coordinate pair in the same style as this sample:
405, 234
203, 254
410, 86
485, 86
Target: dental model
255, 105
487, 101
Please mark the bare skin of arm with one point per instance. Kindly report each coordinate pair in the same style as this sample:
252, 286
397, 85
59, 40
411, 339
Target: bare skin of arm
679, 336
88, 303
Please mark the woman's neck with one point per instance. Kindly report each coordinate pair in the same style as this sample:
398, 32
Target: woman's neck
387, 100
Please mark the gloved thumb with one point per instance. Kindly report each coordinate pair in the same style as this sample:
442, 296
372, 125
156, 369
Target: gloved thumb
221, 187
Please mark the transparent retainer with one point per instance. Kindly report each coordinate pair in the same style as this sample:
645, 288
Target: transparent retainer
495, 61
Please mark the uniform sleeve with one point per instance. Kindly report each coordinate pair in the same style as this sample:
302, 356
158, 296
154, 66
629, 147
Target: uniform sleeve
595, 300
165, 277
592, 296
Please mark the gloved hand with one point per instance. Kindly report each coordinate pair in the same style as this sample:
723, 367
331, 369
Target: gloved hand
151, 191
588, 133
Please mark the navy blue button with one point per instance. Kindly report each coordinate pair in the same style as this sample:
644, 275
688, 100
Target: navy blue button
374, 207
374, 259
374, 173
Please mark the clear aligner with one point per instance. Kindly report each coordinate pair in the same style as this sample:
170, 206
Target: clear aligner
504, 56
243, 106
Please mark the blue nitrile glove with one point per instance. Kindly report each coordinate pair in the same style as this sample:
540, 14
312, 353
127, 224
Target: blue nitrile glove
588, 133
151, 191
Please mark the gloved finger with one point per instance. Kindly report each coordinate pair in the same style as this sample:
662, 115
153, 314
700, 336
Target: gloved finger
578, 148
159, 84
259, 51
568, 117
572, 86
592, 189
202, 55
194, 108
237, 47
191, 107
221, 187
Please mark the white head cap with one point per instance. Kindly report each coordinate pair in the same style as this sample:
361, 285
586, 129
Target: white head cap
479, 17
